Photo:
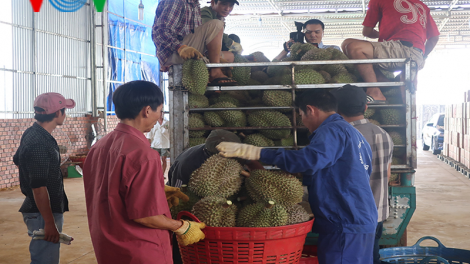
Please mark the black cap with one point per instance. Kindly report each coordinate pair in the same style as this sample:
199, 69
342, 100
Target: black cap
233, 1
217, 136
351, 99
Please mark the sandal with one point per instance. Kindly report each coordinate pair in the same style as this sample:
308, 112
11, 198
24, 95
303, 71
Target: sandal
224, 81
372, 101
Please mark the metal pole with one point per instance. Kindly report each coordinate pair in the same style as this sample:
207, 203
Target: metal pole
34, 81
94, 81
104, 47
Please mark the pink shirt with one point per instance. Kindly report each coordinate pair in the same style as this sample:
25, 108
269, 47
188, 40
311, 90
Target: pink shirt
407, 20
124, 181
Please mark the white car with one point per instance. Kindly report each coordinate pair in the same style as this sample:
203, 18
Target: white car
433, 134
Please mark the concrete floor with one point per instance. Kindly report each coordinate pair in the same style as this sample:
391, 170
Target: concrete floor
443, 211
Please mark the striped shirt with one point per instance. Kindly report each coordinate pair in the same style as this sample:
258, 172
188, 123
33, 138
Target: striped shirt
174, 19
382, 150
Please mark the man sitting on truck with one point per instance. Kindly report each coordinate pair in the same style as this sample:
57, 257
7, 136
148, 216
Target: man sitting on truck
219, 10
406, 30
314, 30
178, 35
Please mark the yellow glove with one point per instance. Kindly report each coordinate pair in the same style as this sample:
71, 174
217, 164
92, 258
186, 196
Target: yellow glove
238, 150
236, 47
187, 52
190, 233
173, 196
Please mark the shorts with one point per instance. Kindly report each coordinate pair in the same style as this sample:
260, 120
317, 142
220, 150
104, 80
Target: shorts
202, 35
164, 152
395, 49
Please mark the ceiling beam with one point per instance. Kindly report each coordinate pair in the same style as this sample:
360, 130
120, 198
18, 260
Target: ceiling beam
451, 6
279, 13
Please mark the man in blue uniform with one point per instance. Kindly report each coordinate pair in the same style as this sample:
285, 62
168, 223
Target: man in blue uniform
336, 166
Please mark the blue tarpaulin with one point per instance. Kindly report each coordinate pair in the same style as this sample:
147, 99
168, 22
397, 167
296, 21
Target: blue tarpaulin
135, 37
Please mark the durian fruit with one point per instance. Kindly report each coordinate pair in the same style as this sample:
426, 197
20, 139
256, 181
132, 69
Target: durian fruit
316, 54
253, 82
258, 56
396, 138
343, 77
216, 211
394, 177
241, 74
259, 76
263, 214
196, 121
325, 75
185, 206
277, 186
224, 97
393, 96
273, 70
217, 176
375, 122
196, 141
258, 140
213, 119
197, 101
232, 118
296, 214
397, 161
369, 113
269, 118
285, 142
298, 50
392, 116
277, 98
303, 76
334, 69
195, 76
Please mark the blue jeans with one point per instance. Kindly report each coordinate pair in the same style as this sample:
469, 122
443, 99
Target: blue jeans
42, 252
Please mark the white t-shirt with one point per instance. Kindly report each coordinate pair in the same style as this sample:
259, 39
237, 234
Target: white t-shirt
160, 135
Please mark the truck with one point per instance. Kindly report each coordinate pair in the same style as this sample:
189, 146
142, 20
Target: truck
402, 195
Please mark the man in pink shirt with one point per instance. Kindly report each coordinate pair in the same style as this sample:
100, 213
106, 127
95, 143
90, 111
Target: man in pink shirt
128, 214
406, 30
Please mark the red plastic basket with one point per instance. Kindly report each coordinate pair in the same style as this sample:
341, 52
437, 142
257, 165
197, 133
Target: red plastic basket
264, 245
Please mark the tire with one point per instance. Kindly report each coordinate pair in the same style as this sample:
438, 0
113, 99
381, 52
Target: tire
433, 145
425, 147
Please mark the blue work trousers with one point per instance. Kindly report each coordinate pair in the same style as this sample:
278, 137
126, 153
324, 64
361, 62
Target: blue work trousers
345, 248
42, 252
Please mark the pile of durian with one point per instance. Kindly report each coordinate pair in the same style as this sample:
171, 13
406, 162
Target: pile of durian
195, 78
222, 196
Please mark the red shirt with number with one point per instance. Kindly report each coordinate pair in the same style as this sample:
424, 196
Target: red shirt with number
124, 181
407, 20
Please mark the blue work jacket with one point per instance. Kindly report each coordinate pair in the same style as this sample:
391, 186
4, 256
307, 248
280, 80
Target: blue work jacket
336, 167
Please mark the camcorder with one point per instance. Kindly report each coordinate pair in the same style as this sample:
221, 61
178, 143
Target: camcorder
298, 36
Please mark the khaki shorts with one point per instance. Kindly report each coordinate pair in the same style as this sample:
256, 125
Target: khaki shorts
164, 152
395, 49
199, 39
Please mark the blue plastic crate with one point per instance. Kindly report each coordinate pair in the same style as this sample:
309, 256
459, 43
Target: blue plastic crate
424, 255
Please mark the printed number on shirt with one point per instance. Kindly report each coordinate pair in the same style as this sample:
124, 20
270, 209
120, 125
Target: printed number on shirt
417, 12
366, 167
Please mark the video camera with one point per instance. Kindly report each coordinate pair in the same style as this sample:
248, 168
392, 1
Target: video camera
298, 36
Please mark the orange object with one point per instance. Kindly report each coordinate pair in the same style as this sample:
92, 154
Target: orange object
281, 244
79, 158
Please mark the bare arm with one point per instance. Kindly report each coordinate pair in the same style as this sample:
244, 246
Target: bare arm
370, 32
430, 44
159, 222
281, 55
389, 171
41, 197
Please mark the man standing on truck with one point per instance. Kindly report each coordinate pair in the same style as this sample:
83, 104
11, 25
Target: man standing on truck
352, 103
178, 35
314, 31
406, 30
336, 166
220, 9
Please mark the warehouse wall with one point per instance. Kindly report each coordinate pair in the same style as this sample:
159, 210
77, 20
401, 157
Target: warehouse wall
11, 130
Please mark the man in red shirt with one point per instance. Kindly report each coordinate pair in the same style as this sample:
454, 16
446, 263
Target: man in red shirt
128, 214
406, 30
